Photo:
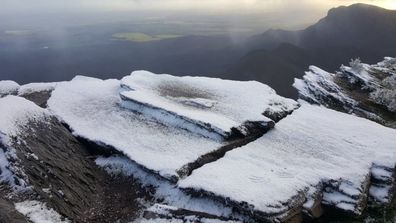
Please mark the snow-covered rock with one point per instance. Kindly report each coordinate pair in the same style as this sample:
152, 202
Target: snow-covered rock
15, 113
365, 90
313, 146
208, 106
318, 86
36, 87
91, 108
8, 87
382, 184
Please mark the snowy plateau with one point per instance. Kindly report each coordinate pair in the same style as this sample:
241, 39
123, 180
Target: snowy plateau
160, 148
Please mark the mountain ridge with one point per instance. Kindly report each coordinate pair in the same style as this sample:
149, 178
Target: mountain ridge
347, 32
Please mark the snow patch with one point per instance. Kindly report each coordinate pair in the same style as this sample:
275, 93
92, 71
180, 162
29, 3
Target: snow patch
8, 87
38, 212
380, 193
16, 112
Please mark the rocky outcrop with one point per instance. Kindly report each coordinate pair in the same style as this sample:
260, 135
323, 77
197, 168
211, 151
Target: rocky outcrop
312, 162
361, 89
60, 171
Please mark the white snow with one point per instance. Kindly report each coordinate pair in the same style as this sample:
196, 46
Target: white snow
340, 200
312, 145
380, 193
358, 74
38, 212
36, 87
8, 87
380, 173
91, 108
6, 174
318, 83
15, 112
210, 103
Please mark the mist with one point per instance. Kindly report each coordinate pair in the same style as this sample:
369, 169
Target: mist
54, 40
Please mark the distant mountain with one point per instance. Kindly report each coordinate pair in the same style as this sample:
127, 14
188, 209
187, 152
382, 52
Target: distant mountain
358, 30
276, 67
358, 25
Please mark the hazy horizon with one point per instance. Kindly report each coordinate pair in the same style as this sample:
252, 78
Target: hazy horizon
245, 16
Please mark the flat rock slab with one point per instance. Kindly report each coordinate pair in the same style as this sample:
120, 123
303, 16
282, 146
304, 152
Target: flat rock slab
91, 109
275, 174
211, 107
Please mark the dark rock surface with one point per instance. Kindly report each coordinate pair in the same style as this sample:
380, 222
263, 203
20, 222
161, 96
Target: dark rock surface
39, 97
8, 214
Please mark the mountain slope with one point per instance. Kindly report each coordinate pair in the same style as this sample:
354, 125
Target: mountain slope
358, 30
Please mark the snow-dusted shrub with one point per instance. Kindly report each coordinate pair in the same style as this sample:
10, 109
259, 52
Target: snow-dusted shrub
386, 95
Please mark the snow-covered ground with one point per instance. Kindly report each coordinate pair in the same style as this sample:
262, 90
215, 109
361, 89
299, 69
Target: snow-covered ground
200, 104
313, 145
91, 108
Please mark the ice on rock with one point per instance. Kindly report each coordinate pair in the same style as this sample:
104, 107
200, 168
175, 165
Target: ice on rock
8, 87
208, 106
314, 145
91, 107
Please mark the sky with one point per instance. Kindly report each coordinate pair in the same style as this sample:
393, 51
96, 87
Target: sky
238, 14
219, 6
